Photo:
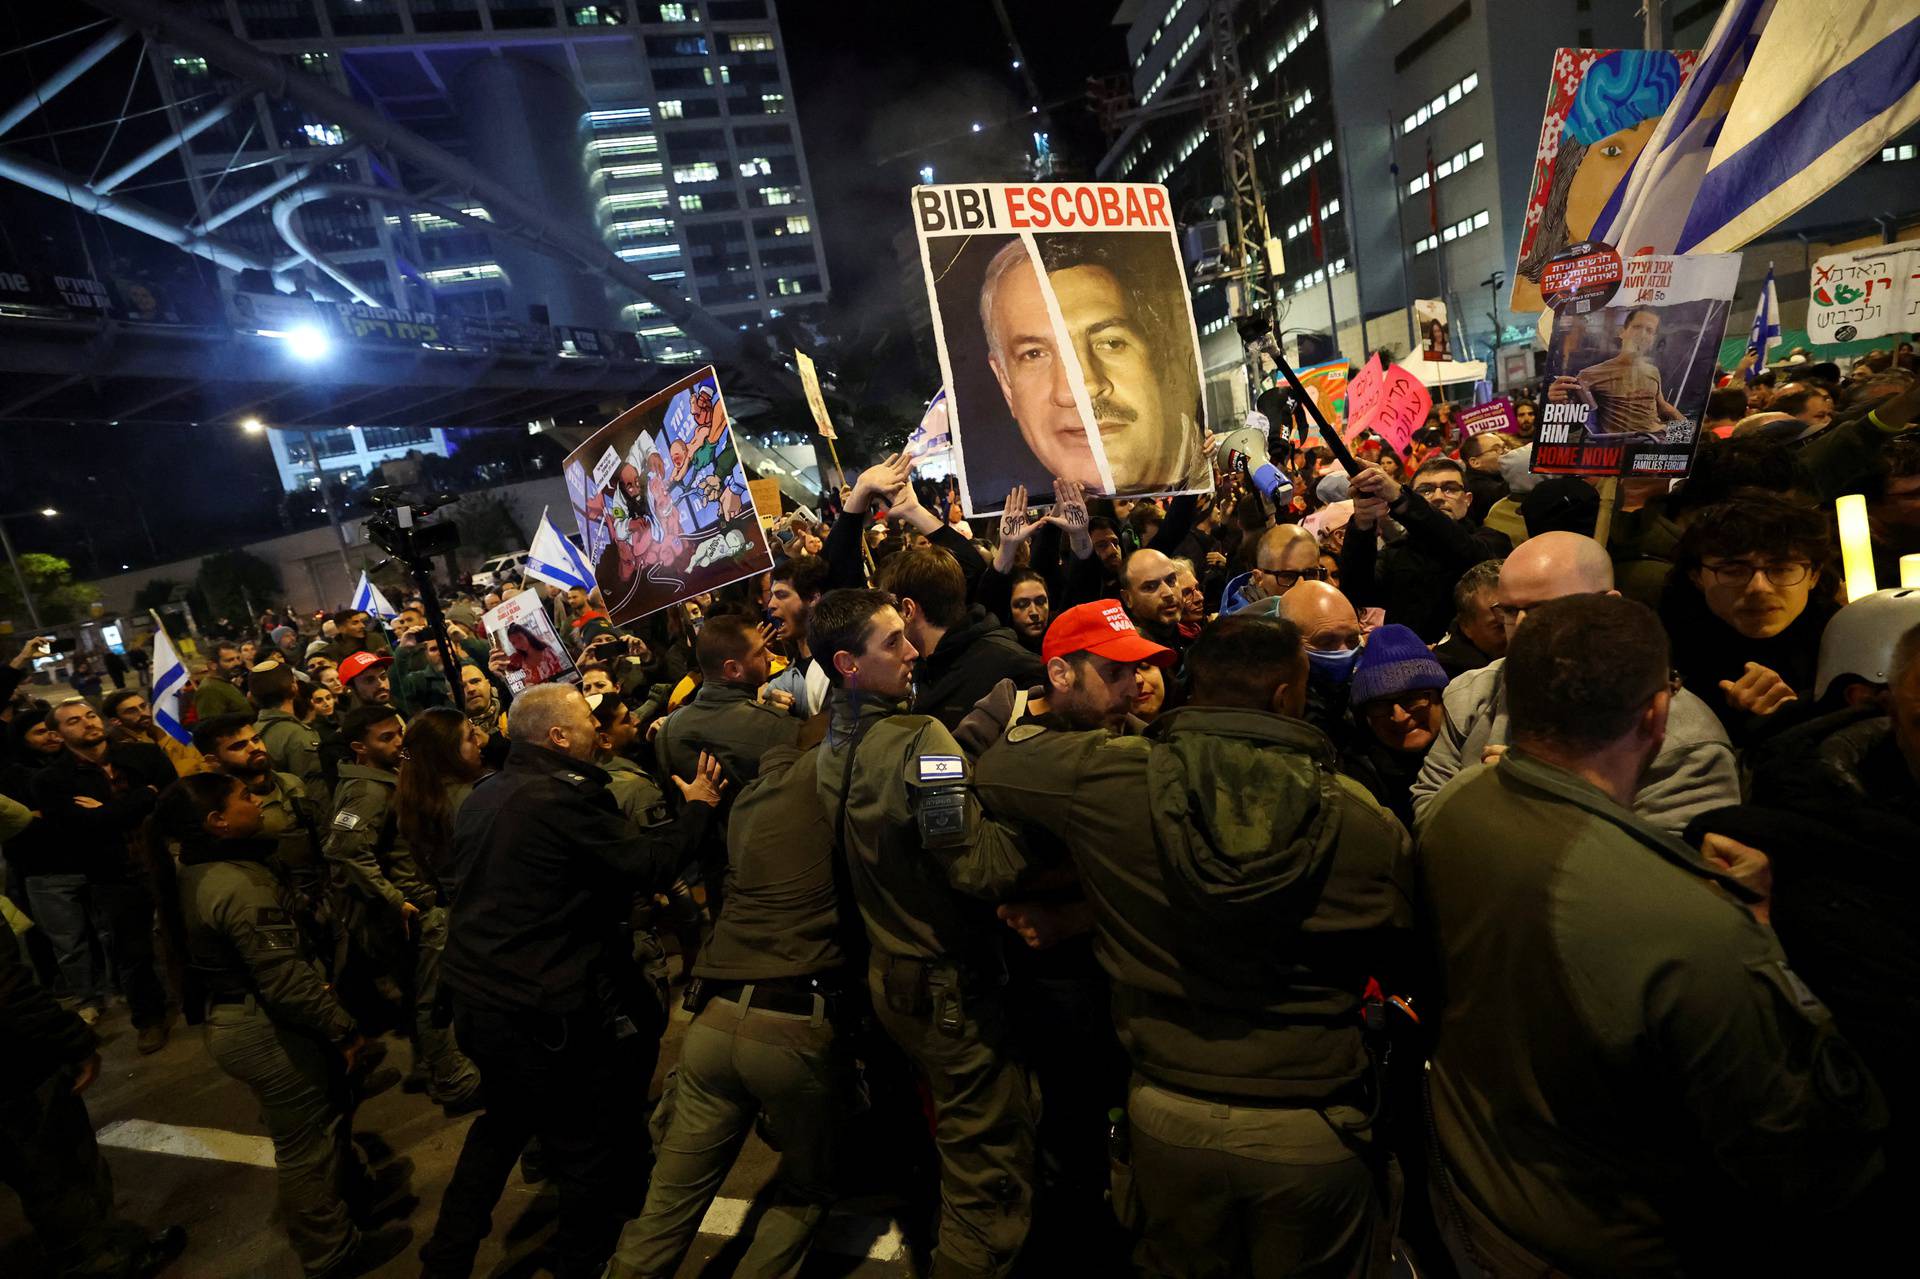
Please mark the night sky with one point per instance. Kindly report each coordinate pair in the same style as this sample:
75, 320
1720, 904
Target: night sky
880, 88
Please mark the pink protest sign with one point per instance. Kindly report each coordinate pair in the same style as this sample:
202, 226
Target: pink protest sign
1494, 415
1403, 409
1363, 396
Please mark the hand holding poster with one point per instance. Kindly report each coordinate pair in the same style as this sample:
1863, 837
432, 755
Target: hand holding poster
519, 627
675, 517
1626, 384
1067, 289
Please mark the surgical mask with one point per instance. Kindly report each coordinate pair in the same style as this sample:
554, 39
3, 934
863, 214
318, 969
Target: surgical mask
1335, 666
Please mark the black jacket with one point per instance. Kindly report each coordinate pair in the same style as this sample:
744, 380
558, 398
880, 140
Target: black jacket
1413, 578
102, 841
968, 661
1706, 650
543, 871
1838, 813
33, 851
40, 1036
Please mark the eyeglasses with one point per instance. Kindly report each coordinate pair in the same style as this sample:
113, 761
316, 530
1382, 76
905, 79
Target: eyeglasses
1415, 703
1740, 572
1286, 577
1446, 490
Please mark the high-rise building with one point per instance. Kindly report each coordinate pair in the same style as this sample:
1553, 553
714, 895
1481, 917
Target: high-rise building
1282, 47
665, 129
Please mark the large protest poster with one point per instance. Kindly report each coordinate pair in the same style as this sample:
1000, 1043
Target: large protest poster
663, 504
519, 627
1602, 106
1870, 293
1626, 383
1066, 339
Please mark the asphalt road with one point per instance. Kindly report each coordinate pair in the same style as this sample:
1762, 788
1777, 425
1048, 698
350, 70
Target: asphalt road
186, 1146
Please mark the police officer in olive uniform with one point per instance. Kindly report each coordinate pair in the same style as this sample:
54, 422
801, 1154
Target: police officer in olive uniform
917, 847
391, 908
725, 719
1244, 894
293, 746
1628, 1078
273, 1024
231, 744
639, 799
764, 1042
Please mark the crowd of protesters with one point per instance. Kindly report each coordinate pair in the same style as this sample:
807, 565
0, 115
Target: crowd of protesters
1509, 870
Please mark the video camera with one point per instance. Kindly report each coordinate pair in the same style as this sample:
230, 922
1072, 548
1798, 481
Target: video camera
396, 528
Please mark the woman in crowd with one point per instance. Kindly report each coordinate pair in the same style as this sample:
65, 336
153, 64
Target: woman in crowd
1395, 699
1750, 592
442, 763
272, 1022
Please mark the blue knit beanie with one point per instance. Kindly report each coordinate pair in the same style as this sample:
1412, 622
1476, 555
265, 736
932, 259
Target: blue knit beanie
1395, 661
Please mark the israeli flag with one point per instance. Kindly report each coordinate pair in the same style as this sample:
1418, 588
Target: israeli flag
1766, 327
368, 599
1786, 100
169, 680
552, 558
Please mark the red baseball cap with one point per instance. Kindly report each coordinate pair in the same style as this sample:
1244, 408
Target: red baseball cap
1103, 629
358, 664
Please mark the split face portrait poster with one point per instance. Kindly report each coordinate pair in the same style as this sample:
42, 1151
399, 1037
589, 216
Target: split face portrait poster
1066, 339
664, 508
1602, 106
1627, 377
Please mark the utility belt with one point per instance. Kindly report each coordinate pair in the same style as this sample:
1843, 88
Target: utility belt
941, 988
822, 997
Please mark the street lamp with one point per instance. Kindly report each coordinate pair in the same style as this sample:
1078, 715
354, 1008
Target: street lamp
33, 612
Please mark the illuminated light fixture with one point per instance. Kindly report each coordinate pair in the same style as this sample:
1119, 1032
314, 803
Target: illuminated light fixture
976, 126
48, 511
253, 426
308, 342
1910, 571
926, 175
1856, 545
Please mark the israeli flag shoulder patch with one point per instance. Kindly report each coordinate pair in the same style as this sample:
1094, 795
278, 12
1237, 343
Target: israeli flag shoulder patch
942, 768
346, 819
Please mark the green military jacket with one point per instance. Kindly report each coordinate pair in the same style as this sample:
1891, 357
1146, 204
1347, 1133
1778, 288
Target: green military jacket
1627, 1073
215, 696
242, 938
1243, 892
635, 793
295, 748
289, 817
364, 844
912, 890
725, 721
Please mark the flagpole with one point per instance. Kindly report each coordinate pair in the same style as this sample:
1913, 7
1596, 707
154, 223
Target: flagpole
1400, 228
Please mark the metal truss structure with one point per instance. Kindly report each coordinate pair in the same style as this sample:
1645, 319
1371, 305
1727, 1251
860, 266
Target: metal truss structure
416, 177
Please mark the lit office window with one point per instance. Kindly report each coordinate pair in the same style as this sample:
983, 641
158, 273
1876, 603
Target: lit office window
673, 109
758, 42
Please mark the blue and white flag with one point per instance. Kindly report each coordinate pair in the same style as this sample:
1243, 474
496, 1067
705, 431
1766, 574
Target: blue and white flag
552, 558
368, 599
1766, 327
1788, 98
169, 681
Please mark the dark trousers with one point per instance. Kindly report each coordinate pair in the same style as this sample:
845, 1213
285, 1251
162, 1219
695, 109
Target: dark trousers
75, 909
48, 1156
570, 1083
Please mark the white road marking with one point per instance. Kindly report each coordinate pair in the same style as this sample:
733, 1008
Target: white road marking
188, 1143
874, 1238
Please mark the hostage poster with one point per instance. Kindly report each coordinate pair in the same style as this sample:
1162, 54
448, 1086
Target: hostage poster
663, 504
519, 627
1602, 106
1066, 339
1627, 382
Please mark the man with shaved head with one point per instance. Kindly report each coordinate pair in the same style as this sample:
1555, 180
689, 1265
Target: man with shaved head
1694, 771
1149, 587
